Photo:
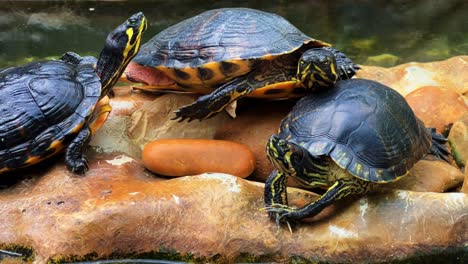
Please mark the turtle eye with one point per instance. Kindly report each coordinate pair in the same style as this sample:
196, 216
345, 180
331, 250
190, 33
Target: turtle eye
132, 21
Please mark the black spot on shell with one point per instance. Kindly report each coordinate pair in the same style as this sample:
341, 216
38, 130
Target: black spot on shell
205, 74
180, 74
274, 91
228, 68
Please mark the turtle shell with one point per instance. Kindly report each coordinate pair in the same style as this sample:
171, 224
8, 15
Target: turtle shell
221, 44
365, 127
43, 105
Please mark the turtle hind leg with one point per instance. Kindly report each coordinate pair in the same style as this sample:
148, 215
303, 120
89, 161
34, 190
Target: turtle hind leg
346, 66
74, 158
439, 147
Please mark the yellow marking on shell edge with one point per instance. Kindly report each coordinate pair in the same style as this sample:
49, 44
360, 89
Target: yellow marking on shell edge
33, 160
56, 144
358, 168
104, 109
77, 128
4, 169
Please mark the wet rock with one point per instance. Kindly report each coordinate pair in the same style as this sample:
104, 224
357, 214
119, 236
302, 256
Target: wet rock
182, 157
429, 176
405, 78
383, 60
154, 121
458, 139
437, 107
118, 210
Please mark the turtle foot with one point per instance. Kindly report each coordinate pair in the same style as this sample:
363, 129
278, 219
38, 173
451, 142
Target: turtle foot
78, 166
200, 109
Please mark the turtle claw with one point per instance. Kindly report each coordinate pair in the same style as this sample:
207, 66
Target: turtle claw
79, 166
280, 213
197, 110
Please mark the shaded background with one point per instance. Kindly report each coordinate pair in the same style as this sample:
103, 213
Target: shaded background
403, 31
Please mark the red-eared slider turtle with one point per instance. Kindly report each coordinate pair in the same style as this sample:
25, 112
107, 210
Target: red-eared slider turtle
348, 138
234, 52
48, 106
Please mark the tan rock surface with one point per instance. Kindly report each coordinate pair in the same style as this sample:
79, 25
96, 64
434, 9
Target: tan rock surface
153, 121
437, 106
405, 78
113, 135
429, 176
119, 209
252, 127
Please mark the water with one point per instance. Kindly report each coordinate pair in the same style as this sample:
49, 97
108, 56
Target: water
419, 30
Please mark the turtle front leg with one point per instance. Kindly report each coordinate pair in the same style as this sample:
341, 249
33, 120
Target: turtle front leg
340, 189
74, 158
276, 76
209, 105
275, 192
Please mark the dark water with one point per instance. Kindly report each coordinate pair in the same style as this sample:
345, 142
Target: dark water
420, 30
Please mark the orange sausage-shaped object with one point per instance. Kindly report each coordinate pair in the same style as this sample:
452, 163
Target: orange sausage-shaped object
181, 157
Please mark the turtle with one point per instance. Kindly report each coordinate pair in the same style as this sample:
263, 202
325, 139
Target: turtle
54, 105
347, 139
230, 53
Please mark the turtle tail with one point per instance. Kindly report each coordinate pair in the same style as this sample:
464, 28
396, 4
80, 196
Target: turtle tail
439, 146
346, 67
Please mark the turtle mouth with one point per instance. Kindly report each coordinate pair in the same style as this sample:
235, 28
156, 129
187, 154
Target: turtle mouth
279, 153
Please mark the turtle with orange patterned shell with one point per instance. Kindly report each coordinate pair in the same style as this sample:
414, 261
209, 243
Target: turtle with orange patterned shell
229, 53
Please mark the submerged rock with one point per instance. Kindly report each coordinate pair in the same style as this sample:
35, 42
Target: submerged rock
383, 60
119, 210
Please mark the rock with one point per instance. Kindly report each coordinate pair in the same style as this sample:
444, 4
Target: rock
436, 106
429, 176
117, 210
153, 121
113, 135
182, 157
405, 78
458, 139
464, 188
384, 60
254, 125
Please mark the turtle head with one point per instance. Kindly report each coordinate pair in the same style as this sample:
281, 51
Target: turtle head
122, 44
283, 154
317, 69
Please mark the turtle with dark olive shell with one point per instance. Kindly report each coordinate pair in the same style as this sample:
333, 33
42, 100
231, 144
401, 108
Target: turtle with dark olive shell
49, 106
234, 52
347, 140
